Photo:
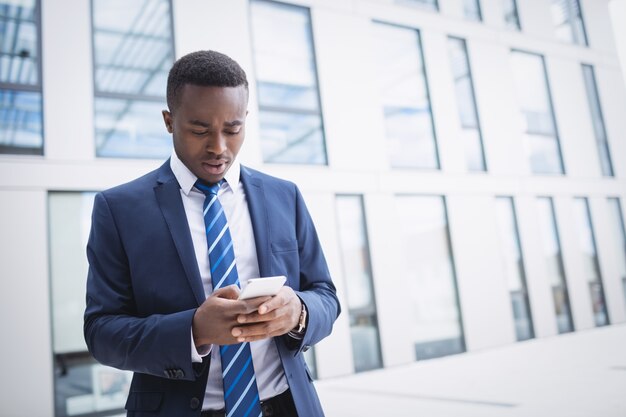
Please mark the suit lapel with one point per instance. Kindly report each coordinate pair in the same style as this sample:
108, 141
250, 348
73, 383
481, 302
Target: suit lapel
168, 197
255, 197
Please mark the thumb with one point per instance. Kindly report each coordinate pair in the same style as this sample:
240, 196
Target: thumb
231, 292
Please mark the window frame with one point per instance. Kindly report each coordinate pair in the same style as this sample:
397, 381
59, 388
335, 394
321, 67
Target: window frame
420, 46
287, 110
30, 88
129, 98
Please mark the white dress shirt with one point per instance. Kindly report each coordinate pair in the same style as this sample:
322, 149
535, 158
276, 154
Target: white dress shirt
268, 368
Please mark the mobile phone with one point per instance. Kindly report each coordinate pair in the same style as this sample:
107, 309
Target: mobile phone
262, 287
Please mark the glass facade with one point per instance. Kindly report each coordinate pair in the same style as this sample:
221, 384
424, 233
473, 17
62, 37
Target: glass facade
514, 267
541, 140
551, 246
405, 98
133, 52
619, 231
430, 276
82, 386
511, 16
471, 135
568, 21
359, 283
290, 115
589, 256
599, 129
21, 114
471, 10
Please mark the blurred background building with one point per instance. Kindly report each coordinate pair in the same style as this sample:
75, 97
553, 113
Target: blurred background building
464, 161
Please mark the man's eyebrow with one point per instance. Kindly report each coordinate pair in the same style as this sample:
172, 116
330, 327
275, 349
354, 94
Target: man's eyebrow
233, 123
199, 123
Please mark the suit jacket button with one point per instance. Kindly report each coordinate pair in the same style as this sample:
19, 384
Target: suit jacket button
179, 374
194, 403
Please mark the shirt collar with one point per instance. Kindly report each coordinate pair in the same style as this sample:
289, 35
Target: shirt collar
186, 179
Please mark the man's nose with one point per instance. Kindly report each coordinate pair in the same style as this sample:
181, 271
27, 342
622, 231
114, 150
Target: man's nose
216, 144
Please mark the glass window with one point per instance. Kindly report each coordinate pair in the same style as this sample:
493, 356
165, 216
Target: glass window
551, 246
598, 121
541, 140
430, 276
511, 16
359, 287
591, 265
405, 98
568, 21
289, 106
424, 4
133, 52
466, 104
514, 267
82, 386
21, 119
471, 10
618, 228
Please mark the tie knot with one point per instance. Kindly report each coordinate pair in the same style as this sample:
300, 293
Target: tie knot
208, 189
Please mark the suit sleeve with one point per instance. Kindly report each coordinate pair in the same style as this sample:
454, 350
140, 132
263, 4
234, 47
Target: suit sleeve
116, 336
316, 291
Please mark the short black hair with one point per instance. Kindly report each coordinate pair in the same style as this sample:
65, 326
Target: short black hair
204, 68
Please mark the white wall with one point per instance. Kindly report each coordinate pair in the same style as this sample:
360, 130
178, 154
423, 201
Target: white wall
357, 164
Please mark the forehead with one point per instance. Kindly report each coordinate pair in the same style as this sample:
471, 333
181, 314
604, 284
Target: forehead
229, 102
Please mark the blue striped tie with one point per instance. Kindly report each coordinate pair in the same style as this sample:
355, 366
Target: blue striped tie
241, 394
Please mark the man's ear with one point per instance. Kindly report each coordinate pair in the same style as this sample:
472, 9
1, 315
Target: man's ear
167, 118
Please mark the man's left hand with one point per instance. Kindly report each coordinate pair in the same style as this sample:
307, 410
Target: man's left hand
275, 317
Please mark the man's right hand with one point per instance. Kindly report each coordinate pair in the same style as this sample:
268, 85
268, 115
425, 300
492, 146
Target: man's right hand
215, 318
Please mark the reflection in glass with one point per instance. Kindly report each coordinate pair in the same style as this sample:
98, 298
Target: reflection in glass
130, 127
619, 230
568, 21
514, 267
133, 51
541, 140
423, 4
511, 16
598, 121
20, 84
82, 386
471, 10
551, 246
359, 287
20, 121
466, 104
404, 93
430, 276
589, 254
289, 108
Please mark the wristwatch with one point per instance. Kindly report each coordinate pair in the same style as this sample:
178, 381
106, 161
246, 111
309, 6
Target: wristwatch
301, 321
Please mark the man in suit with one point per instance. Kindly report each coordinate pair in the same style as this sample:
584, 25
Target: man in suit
159, 306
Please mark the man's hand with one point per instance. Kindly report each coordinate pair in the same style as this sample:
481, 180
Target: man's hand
215, 319
275, 317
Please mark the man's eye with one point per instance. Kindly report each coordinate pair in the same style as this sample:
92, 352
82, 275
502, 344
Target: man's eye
232, 133
199, 133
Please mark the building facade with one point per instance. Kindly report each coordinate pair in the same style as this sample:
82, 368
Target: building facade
464, 162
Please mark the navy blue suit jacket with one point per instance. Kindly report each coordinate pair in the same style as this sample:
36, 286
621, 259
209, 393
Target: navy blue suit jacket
144, 286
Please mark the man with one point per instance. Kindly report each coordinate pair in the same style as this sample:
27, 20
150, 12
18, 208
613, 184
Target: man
168, 251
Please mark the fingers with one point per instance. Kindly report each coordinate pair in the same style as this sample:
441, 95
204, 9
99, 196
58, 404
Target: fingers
260, 331
231, 292
284, 296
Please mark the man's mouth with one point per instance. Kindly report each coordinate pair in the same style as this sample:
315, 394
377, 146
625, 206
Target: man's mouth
214, 167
